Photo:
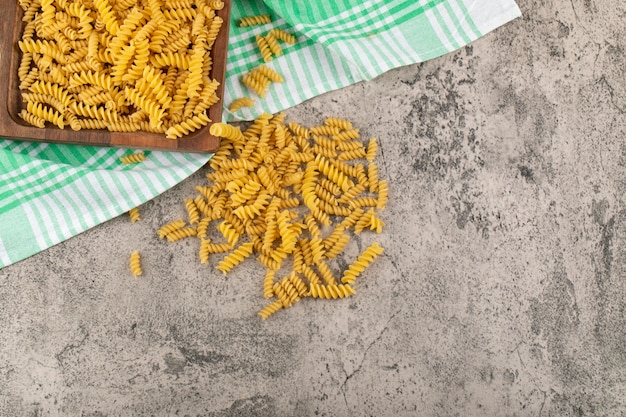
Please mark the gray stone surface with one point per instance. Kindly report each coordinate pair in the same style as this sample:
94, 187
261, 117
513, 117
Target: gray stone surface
501, 292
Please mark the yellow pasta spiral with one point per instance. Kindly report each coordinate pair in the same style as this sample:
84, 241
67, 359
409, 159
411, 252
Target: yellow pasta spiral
353, 154
182, 234
273, 44
330, 186
308, 186
317, 249
29, 80
331, 209
240, 102
372, 148
31, 119
298, 259
135, 264
255, 20
324, 151
170, 227
362, 262
133, 158
347, 135
187, 126
256, 83
192, 211
46, 113
215, 4
327, 274
271, 309
216, 24
152, 107
325, 142
184, 14
269, 73
219, 247
364, 202
228, 232
333, 173
290, 294
236, 257
195, 71
376, 224
299, 130
108, 16
349, 145
284, 298
95, 112
266, 52
372, 177
351, 220
204, 251
268, 262
134, 215
338, 247
246, 193
91, 77
92, 124
383, 194
203, 225
331, 291
268, 283
334, 236
170, 59
227, 131
351, 193
340, 123
283, 36
298, 284
363, 222
360, 175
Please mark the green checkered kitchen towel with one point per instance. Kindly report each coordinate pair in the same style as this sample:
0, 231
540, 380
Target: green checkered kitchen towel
49, 193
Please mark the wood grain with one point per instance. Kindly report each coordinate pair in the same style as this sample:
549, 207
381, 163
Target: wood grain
13, 127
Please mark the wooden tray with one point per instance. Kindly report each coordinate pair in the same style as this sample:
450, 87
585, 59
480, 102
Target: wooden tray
13, 127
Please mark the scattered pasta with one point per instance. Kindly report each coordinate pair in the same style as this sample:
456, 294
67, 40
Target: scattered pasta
124, 66
277, 196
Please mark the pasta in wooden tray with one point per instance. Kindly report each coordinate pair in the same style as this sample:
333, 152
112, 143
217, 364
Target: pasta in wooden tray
147, 66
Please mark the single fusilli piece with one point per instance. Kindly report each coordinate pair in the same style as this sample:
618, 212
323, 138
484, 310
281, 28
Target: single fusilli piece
255, 20
183, 233
134, 215
268, 73
283, 36
135, 264
258, 84
266, 52
236, 257
133, 158
271, 309
187, 126
240, 102
170, 227
331, 291
362, 262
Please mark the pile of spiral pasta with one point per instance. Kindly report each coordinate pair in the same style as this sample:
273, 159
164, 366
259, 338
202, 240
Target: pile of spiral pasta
124, 65
292, 197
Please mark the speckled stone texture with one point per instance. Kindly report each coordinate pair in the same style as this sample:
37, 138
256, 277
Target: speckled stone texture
501, 291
